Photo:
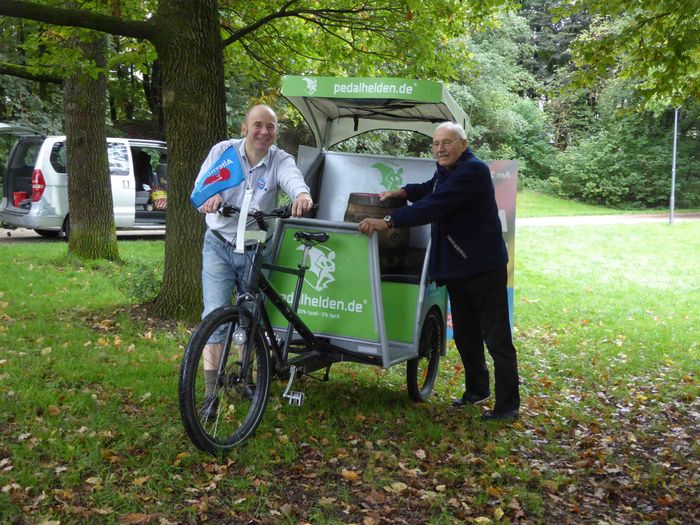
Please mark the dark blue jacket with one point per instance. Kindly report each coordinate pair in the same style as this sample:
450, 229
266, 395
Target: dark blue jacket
460, 205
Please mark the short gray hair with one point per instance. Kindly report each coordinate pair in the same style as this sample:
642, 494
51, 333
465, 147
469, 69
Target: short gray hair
453, 127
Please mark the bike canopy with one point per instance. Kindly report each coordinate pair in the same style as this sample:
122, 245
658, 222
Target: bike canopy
339, 108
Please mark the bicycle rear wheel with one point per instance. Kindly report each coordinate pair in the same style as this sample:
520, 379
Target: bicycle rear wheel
422, 371
233, 411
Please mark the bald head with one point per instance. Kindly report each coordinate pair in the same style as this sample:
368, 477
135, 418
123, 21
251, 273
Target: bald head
258, 110
260, 131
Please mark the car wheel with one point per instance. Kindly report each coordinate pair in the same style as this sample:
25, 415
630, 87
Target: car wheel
49, 234
66, 227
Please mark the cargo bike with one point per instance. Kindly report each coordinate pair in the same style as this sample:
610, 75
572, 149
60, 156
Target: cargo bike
318, 291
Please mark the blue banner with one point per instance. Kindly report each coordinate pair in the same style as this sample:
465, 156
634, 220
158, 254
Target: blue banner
226, 173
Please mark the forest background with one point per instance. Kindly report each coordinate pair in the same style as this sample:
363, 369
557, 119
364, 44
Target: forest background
582, 94
599, 143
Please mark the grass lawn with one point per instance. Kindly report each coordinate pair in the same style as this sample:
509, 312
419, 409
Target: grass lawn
533, 204
607, 329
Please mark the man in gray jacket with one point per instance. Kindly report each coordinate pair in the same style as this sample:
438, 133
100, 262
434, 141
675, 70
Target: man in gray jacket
265, 167
469, 256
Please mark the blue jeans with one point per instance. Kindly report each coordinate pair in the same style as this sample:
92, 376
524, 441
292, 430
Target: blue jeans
223, 271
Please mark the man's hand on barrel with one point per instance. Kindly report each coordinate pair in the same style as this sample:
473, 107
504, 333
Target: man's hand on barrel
397, 194
368, 226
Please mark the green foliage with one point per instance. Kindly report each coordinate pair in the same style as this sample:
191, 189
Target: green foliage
551, 38
345, 38
653, 43
140, 279
628, 160
393, 143
505, 122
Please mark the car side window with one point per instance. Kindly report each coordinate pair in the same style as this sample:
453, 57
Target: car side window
118, 159
58, 157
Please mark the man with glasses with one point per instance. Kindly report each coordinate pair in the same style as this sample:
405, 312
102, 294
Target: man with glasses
469, 256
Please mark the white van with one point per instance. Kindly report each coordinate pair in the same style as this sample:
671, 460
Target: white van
35, 183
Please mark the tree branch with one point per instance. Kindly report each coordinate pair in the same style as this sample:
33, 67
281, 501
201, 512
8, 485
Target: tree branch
330, 15
77, 18
15, 70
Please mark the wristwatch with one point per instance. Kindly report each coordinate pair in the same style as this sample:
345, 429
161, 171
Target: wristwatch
387, 220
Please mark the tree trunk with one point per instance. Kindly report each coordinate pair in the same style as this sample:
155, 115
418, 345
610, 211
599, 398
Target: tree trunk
92, 231
191, 56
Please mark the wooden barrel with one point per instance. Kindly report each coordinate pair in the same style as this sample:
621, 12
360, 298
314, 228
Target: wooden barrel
393, 243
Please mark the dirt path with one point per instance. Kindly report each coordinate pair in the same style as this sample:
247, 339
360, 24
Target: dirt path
604, 219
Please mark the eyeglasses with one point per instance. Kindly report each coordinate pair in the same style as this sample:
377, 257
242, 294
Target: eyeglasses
446, 143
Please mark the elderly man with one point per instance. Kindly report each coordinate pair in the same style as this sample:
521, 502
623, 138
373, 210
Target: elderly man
264, 168
469, 256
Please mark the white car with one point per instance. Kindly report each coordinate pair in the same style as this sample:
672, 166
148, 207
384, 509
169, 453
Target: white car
35, 183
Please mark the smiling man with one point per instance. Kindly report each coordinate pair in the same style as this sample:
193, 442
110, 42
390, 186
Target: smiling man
469, 256
264, 168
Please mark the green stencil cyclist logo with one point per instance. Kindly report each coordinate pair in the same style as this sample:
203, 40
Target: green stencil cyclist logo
391, 177
322, 267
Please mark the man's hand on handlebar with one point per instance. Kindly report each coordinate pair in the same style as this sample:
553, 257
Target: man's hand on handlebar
302, 204
212, 204
368, 226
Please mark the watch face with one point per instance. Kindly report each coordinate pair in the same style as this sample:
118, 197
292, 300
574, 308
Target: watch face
387, 219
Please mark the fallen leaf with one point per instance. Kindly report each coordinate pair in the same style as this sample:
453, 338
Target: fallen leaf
397, 486
550, 486
350, 475
135, 518
374, 497
494, 491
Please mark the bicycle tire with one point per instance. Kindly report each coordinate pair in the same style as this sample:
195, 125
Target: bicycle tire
420, 381
239, 404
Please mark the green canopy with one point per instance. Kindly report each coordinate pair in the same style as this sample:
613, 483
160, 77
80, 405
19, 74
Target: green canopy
338, 108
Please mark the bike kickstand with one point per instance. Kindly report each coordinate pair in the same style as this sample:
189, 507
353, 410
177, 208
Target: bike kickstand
295, 398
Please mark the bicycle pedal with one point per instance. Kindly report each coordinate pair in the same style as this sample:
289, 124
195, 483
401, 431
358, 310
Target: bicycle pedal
295, 398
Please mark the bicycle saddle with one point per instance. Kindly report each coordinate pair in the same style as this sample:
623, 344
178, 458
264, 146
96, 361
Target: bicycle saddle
313, 237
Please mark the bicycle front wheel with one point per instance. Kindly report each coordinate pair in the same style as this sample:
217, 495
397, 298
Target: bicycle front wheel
221, 404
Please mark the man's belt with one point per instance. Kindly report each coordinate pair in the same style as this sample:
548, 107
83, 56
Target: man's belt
226, 241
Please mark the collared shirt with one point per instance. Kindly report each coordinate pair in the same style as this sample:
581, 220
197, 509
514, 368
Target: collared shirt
276, 169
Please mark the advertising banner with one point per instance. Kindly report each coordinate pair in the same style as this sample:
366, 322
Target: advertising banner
361, 87
336, 298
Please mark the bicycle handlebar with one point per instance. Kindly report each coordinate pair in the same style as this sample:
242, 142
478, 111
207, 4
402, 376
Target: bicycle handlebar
227, 210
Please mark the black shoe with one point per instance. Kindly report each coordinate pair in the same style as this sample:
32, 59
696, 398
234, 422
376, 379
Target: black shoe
209, 407
471, 399
506, 415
